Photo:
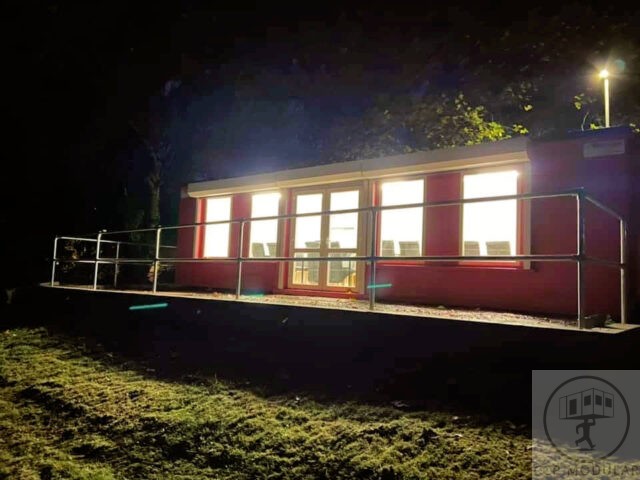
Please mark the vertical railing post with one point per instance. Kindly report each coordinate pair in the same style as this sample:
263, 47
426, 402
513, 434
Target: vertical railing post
117, 266
239, 259
54, 261
97, 264
372, 258
581, 247
623, 272
156, 260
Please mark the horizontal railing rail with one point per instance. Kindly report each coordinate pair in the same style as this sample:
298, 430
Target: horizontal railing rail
579, 257
121, 242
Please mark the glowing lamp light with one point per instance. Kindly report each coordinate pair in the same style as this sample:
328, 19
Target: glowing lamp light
604, 73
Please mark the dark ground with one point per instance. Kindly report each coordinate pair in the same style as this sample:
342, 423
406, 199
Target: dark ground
482, 368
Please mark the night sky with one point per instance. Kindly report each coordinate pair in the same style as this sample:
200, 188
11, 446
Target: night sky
78, 73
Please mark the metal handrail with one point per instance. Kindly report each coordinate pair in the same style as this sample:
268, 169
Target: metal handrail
121, 242
603, 207
287, 216
579, 256
425, 258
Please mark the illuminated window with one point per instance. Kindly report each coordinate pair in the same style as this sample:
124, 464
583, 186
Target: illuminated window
490, 228
401, 229
264, 233
216, 237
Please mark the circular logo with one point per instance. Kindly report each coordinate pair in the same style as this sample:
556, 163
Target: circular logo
586, 414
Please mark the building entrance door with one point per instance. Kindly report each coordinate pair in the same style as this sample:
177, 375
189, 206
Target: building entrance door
326, 236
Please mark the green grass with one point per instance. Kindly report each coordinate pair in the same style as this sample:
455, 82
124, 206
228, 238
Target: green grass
66, 412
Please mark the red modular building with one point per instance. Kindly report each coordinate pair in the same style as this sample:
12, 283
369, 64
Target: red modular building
605, 163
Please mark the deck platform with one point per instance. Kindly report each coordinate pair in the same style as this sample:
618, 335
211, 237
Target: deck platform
424, 311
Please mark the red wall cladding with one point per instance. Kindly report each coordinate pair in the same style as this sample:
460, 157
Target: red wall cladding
221, 274
545, 287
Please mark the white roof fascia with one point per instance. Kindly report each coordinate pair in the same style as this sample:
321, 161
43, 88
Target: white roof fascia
503, 152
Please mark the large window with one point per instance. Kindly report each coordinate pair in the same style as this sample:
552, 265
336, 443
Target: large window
264, 233
401, 229
216, 237
490, 228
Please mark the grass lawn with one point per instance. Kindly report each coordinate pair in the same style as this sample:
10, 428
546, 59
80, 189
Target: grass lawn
68, 412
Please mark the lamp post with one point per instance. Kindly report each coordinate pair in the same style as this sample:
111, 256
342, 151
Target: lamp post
604, 74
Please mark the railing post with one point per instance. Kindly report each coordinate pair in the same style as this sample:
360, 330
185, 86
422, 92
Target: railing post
239, 259
54, 261
97, 264
581, 255
156, 261
372, 261
623, 272
117, 266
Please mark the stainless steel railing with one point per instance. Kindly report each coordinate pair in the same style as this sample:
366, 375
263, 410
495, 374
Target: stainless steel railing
579, 257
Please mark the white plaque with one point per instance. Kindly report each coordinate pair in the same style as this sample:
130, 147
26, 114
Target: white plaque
603, 148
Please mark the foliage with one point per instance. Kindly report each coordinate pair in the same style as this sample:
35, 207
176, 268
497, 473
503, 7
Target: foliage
401, 126
317, 94
335, 102
68, 271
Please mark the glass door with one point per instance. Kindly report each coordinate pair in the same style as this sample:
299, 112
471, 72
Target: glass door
342, 238
307, 239
326, 236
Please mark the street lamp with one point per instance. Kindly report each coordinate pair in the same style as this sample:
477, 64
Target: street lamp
604, 74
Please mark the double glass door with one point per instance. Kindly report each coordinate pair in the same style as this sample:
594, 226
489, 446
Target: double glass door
334, 235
